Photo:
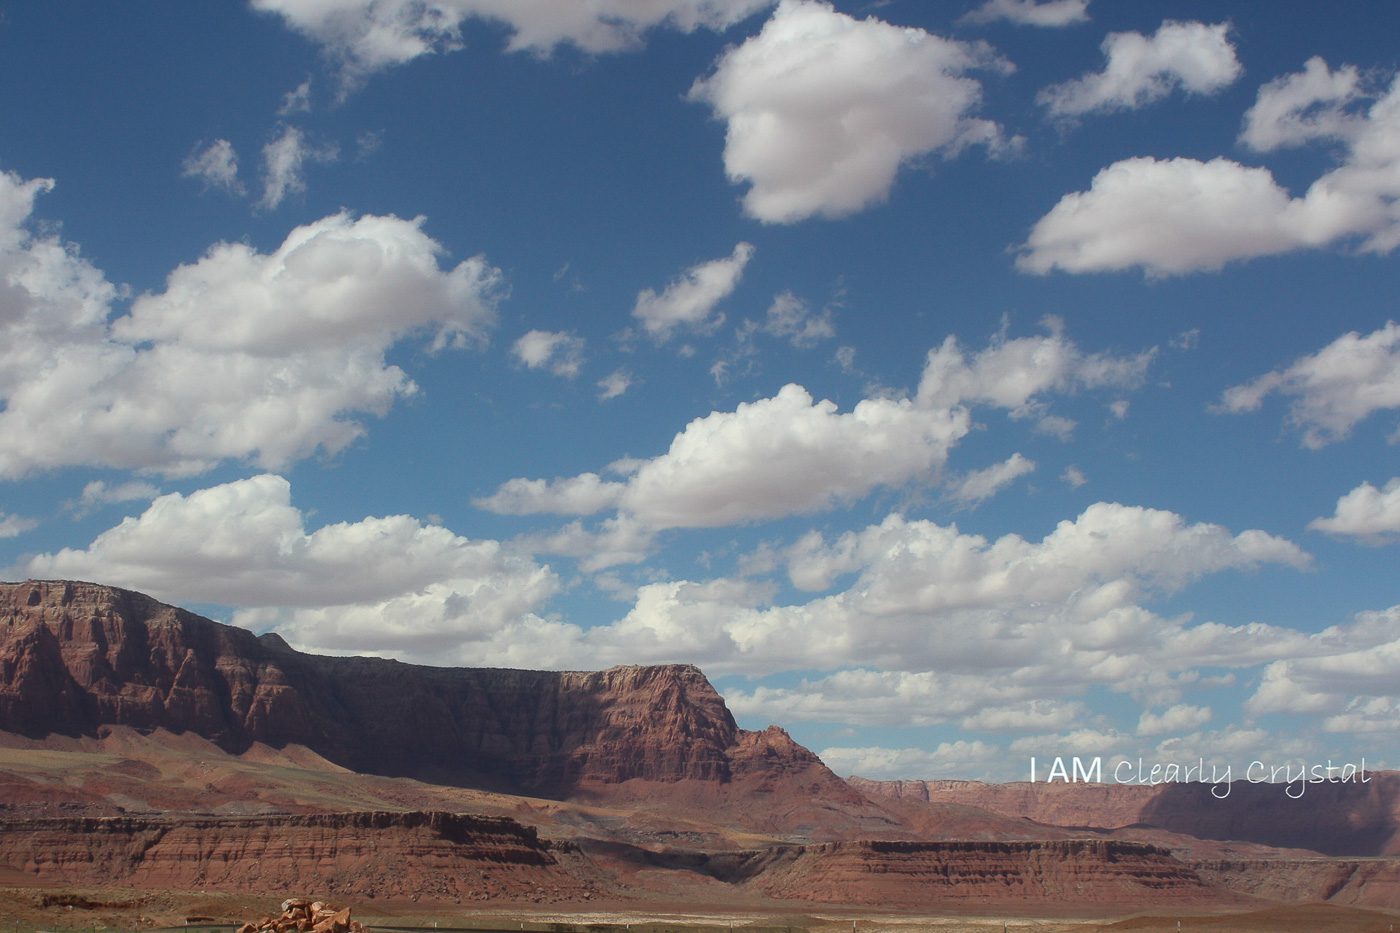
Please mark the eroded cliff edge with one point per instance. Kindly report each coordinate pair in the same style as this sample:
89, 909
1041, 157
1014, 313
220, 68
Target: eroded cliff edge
78, 656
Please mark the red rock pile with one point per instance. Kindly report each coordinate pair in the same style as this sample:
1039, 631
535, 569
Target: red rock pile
300, 915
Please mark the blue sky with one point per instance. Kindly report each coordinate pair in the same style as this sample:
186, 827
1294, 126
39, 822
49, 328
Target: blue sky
953, 382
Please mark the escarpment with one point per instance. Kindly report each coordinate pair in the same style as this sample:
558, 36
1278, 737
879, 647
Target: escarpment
442, 855
78, 656
1353, 818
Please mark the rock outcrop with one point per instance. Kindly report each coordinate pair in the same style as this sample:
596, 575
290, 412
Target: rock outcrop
77, 656
303, 915
986, 873
440, 856
1355, 882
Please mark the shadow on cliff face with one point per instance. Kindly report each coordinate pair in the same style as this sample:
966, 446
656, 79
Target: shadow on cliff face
1356, 819
78, 656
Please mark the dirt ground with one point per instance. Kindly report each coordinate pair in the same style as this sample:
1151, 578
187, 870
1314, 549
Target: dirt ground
27, 910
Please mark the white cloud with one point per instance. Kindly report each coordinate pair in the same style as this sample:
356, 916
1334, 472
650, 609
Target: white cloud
980, 485
791, 454
1048, 13
614, 384
1333, 389
1368, 513
1056, 426
1179, 718
284, 165
12, 526
791, 319
584, 494
783, 455
1303, 107
948, 760
617, 540
786, 455
348, 586
937, 611
1074, 477
297, 100
1169, 216
1176, 216
244, 355
216, 165
99, 493
366, 36
1029, 716
1366, 715
823, 109
1356, 666
690, 300
561, 353
1015, 374
1140, 70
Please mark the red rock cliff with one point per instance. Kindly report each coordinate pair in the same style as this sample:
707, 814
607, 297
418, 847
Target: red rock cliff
1360, 819
76, 656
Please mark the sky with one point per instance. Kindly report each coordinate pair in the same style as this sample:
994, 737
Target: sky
953, 382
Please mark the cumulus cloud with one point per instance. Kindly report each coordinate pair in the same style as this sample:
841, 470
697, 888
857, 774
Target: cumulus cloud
349, 586
365, 36
921, 603
1074, 477
216, 165
1299, 108
12, 526
823, 110
1175, 216
788, 454
784, 455
560, 353
792, 454
244, 355
690, 300
908, 698
1140, 70
284, 165
1367, 513
99, 493
1016, 374
1332, 390
617, 540
578, 495
1352, 679
1179, 718
948, 760
1048, 13
980, 485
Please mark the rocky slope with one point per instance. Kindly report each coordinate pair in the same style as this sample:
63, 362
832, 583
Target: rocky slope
78, 656
983, 873
433, 855
1351, 819
1357, 882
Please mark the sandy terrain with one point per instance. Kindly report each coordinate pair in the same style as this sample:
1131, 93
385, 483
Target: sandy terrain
25, 910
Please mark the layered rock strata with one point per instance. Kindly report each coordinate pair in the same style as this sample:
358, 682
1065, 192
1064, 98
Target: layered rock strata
440, 856
76, 656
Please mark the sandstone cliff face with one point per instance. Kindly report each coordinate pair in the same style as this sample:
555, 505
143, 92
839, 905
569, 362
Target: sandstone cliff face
1356, 882
1335, 819
76, 656
991, 873
435, 855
